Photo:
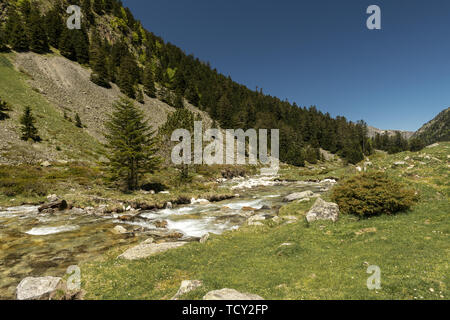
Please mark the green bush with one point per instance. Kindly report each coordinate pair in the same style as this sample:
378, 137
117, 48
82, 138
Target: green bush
371, 194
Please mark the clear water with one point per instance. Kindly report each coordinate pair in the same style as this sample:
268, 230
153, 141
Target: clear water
34, 244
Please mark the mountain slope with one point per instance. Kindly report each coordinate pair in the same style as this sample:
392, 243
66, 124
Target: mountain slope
437, 129
56, 87
121, 52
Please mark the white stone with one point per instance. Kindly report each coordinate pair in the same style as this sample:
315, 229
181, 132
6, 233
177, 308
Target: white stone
230, 294
145, 250
38, 288
298, 196
186, 287
322, 210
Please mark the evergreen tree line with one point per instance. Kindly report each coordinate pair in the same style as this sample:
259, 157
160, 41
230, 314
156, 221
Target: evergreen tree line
141, 63
396, 143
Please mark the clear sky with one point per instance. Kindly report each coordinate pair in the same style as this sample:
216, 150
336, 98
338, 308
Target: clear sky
320, 52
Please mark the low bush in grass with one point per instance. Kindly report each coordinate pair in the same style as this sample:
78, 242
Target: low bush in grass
372, 194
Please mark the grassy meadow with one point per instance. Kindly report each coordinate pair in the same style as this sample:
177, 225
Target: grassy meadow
323, 260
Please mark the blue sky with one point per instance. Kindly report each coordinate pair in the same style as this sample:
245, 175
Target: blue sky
320, 52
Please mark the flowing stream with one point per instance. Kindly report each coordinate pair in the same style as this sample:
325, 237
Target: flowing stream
35, 244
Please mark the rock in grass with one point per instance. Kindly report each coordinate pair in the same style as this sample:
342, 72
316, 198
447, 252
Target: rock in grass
186, 287
256, 220
39, 288
145, 250
52, 198
204, 238
298, 196
230, 294
322, 210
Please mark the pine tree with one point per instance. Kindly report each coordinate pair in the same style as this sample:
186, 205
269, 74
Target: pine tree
29, 131
149, 83
4, 108
3, 39
54, 27
100, 74
19, 40
81, 46
38, 35
416, 144
131, 144
97, 6
178, 101
66, 45
126, 81
86, 8
78, 121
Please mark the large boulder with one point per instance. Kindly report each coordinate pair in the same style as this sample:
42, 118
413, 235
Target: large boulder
322, 210
298, 196
43, 288
230, 294
146, 249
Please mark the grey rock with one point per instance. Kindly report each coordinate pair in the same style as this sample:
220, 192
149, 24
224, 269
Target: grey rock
298, 196
230, 294
322, 210
256, 220
52, 198
42, 288
187, 286
204, 238
145, 250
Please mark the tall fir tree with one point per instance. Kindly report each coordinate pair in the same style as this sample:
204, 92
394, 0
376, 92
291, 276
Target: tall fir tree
29, 131
66, 45
100, 74
126, 81
86, 8
54, 27
97, 6
38, 35
3, 39
19, 39
131, 144
149, 82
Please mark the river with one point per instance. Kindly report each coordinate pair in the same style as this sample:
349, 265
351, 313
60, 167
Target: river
35, 244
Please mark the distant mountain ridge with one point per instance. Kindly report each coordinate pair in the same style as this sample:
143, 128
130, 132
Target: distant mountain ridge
372, 131
435, 130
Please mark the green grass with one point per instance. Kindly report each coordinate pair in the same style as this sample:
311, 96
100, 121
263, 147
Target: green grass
325, 261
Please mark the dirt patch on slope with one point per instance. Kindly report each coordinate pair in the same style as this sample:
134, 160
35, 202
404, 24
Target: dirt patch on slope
67, 85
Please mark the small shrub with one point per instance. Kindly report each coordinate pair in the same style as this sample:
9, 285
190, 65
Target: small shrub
372, 194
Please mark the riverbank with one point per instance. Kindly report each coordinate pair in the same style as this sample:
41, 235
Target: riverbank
265, 246
321, 260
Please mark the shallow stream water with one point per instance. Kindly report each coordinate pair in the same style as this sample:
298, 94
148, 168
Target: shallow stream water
35, 244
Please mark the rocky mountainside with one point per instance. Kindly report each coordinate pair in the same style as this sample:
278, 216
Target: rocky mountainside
372, 131
58, 89
437, 129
